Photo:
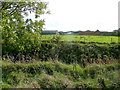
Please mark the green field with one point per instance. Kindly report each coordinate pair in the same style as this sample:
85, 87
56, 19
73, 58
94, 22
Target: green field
84, 38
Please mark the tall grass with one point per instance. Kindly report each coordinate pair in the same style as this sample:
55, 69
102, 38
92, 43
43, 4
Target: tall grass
60, 75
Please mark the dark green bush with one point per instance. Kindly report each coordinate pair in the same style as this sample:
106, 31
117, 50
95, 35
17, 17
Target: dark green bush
68, 53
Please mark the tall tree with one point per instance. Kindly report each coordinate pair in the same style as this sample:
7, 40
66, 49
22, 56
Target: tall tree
19, 34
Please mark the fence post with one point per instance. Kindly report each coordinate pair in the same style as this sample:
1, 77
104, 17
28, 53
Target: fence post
111, 40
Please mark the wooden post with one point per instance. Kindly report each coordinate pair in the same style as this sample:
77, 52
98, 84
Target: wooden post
84, 39
111, 40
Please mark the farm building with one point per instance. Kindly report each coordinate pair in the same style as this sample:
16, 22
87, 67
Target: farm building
69, 33
76, 32
88, 32
61, 33
50, 32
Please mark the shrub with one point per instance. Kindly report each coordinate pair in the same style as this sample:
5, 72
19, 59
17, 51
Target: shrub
4, 85
94, 70
47, 81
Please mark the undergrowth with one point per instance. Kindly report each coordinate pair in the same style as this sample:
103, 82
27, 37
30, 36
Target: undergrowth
59, 75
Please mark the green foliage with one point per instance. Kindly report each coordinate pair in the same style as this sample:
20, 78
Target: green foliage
76, 53
87, 83
93, 70
48, 67
55, 39
59, 75
96, 69
46, 81
67, 53
21, 41
4, 85
21, 35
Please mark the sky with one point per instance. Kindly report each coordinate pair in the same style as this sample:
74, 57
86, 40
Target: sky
74, 15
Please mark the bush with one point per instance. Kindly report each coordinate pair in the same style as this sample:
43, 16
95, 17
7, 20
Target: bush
94, 70
4, 85
47, 81
59, 75
68, 53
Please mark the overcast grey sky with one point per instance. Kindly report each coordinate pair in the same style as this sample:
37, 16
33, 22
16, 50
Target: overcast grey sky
67, 15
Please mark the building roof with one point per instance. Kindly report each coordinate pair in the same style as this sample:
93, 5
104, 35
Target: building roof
49, 31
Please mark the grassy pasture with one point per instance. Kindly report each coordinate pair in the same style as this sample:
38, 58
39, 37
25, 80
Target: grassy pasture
84, 38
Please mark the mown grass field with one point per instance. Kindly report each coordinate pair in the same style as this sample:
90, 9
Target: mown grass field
84, 38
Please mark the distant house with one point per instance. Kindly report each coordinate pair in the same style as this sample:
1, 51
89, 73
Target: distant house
69, 33
97, 32
76, 32
61, 33
66, 33
88, 32
50, 32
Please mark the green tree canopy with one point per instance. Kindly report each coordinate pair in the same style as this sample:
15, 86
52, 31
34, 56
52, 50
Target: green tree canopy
19, 34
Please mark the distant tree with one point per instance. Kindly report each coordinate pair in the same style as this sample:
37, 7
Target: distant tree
119, 32
115, 32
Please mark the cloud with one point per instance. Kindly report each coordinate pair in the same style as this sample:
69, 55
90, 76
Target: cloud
82, 14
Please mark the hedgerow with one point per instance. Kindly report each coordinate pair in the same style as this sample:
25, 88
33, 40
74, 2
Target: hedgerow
59, 75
